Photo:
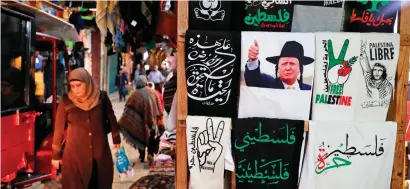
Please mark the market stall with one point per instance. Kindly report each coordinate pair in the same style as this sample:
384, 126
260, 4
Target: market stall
188, 116
25, 125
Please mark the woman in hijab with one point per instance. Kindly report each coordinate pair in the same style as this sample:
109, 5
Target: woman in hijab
141, 117
86, 115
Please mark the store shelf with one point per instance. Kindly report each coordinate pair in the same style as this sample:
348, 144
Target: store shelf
46, 23
49, 3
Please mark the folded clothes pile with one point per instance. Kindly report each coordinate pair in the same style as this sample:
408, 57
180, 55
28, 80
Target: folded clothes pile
167, 143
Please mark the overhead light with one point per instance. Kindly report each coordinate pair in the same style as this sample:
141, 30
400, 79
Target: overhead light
93, 9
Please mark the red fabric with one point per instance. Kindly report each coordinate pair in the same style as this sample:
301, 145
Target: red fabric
167, 24
161, 98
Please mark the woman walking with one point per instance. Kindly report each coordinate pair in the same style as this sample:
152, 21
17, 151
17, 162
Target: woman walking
141, 117
86, 115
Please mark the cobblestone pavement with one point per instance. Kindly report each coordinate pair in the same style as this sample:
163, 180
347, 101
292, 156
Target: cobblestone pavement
133, 155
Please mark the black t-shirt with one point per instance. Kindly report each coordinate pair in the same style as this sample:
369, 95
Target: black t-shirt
204, 15
212, 72
370, 16
267, 148
268, 16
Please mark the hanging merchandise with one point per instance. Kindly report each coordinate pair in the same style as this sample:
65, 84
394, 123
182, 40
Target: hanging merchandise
101, 17
206, 142
267, 152
76, 20
378, 61
141, 18
119, 42
341, 155
276, 75
212, 72
337, 72
264, 15
210, 15
168, 21
370, 16
314, 16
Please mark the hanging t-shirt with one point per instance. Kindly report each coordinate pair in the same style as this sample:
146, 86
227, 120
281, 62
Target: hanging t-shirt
267, 152
212, 72
337, 71
265, 91
378, 62
168, 22
263, 15
210, 15
207, 144
370, 16
315, 16
349, 155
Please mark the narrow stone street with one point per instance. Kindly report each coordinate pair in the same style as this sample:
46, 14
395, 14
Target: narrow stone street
141, 169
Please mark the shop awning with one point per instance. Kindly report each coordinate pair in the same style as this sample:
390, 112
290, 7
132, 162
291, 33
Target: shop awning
46, 23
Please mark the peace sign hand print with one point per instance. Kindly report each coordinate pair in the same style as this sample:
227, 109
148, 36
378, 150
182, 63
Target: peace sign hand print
339, 69
209, 148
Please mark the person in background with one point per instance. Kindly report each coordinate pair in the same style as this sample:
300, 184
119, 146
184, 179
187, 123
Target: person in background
121, 81
148, 71
156, 77
164, 69
161, 99
170, 86
138, 66
87, 159
140, 119
139, 70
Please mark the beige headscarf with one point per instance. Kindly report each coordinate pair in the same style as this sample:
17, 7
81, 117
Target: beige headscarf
92, 93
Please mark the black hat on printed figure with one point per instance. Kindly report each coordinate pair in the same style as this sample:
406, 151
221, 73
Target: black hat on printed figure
292, 49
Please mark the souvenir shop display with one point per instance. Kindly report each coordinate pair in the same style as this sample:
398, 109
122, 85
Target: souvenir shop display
267, 152
212, 72
379, 54
277, 72
262, 15
337, 71
206, 140
309, 103
314, 16
348, 155
370, 16
215, 15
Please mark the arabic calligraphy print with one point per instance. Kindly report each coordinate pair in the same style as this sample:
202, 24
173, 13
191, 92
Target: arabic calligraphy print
210, 14
207, 139
370, 15
212, 73
267, 152
316, 16
264, 15
337, 72
276, 75
361, 154
378, 61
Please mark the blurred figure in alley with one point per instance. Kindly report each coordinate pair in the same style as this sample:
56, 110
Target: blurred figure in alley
141, 123
121, 81
156, 77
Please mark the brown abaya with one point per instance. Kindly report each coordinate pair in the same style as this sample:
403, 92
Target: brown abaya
87, 160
